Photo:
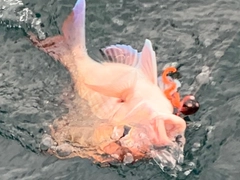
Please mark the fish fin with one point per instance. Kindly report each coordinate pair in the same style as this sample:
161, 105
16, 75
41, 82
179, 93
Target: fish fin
50, 45
105, 90
74, 28
56, 48
148, 63
121, 53
116, 82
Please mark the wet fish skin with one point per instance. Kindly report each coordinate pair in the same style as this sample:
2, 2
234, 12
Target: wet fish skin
123, 93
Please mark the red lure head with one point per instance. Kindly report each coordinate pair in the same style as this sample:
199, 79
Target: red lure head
189, 105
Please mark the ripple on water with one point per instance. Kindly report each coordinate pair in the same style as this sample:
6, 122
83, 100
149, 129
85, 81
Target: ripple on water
193, 33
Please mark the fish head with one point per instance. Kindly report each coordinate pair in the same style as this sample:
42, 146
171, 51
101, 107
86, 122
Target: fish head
161, 138
172, 153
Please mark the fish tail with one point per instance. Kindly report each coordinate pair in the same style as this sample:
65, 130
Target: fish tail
73, 39
74, 29
53, 46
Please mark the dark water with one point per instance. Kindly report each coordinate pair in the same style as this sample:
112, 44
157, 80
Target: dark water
193, 33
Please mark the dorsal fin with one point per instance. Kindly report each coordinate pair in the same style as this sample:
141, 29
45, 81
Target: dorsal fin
121, 53
74, 28
148, 63
125, 54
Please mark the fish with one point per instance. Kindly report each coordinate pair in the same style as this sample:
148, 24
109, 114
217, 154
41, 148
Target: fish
122, 112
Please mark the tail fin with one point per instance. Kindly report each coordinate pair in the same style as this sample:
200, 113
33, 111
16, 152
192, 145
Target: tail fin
74, 28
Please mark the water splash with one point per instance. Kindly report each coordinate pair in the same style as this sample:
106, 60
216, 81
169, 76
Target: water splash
14, 14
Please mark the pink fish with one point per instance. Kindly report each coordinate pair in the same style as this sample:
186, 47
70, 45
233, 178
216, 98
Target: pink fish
127, 115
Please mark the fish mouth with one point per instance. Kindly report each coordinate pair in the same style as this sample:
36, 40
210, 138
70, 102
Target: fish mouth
168, 158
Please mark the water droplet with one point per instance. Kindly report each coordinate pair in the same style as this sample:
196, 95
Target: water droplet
199, 56
219, 54
128, 158
64, 150
186, 173
46, 143
207, 42
196, 145
118, 21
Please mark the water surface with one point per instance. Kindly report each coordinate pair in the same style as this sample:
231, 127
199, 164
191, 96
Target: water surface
193, 33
